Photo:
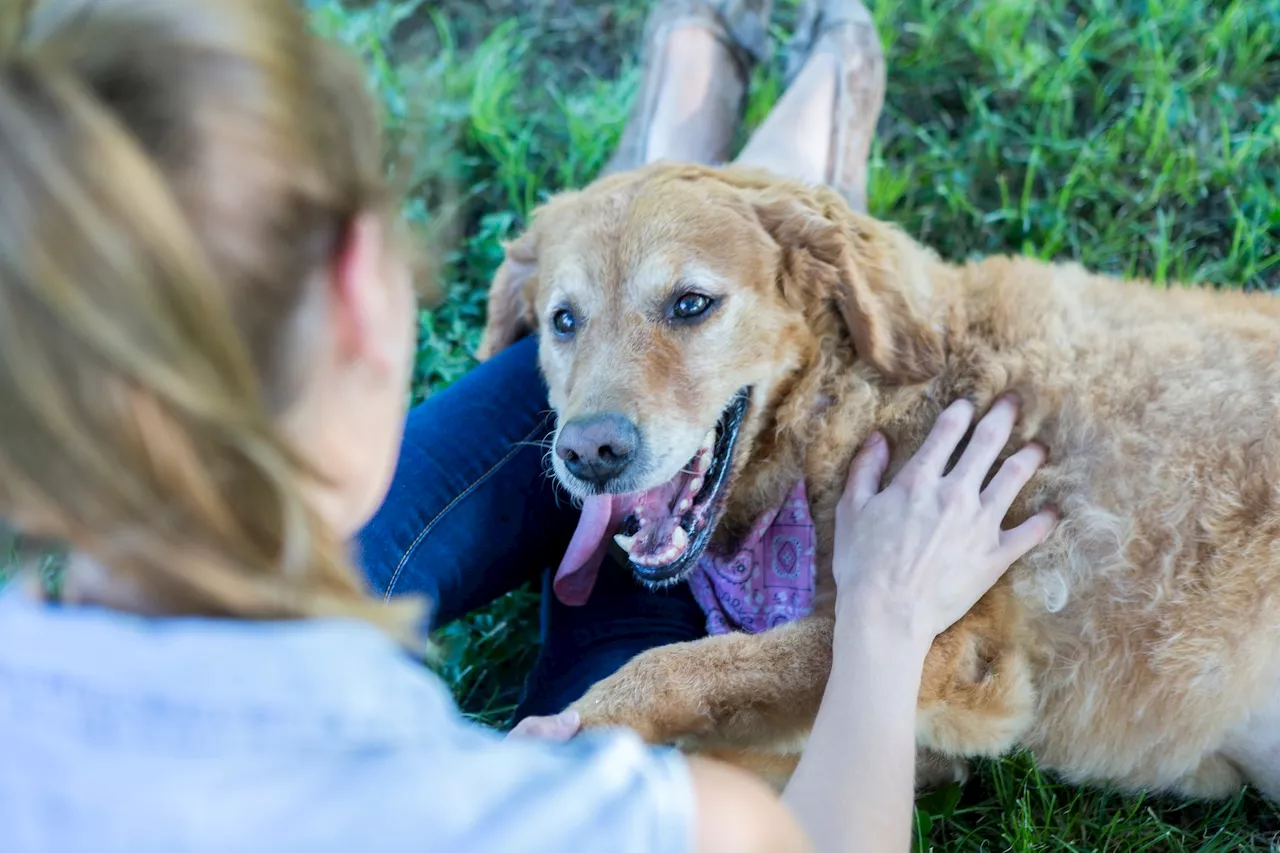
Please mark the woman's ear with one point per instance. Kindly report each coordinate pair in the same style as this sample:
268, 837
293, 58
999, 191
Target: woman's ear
511, 311
872, 274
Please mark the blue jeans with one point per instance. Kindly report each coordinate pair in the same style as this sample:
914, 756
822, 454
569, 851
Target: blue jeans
472, 514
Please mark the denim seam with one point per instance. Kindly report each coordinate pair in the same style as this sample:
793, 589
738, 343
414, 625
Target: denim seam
404, 560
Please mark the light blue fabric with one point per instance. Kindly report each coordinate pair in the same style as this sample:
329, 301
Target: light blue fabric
120, 733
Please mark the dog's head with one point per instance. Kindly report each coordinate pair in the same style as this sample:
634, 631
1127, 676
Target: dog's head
675, 307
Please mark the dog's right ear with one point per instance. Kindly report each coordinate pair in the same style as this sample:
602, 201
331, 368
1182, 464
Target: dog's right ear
876, 278
511, 311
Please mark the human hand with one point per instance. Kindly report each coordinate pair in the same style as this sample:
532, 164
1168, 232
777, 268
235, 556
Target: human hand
561, 727
926, 548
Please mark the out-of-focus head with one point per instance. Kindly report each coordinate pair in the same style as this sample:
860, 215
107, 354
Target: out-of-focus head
206, 313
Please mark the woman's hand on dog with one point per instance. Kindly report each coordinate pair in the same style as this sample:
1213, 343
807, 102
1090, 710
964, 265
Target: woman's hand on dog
924, 549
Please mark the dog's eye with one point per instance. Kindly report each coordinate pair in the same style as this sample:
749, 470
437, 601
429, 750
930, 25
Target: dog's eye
690, 305
564, 323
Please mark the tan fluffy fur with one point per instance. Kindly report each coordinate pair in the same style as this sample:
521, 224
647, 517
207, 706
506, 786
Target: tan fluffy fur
1138, 646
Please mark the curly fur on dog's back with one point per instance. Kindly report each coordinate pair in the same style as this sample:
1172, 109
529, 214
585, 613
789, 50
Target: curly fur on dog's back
1152, 608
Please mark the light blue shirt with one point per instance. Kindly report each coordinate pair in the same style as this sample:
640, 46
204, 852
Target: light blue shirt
119, 733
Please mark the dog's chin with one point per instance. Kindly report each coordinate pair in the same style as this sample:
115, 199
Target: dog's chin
665, 529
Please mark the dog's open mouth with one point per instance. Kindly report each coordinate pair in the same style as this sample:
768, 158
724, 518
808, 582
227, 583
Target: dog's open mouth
666, 529
662, 530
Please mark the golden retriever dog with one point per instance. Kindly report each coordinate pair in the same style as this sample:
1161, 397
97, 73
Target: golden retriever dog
711, 337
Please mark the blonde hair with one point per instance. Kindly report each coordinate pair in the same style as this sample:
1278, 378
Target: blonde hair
171, 176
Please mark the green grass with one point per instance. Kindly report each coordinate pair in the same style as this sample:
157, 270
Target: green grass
1140, 138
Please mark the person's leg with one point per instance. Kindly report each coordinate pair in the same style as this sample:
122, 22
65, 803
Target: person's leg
697, 58
471, 513
795, 138
821, 129
583, 645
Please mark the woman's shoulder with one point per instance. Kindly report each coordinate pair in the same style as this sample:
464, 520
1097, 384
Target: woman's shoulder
254, 683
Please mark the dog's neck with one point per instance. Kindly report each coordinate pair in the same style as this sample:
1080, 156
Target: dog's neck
814, 421
813, 429
817, 419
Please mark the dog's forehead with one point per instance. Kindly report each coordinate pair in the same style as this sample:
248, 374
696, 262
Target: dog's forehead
646, 235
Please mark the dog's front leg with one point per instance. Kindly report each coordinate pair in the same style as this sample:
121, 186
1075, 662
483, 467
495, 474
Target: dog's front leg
758, 689
758, 693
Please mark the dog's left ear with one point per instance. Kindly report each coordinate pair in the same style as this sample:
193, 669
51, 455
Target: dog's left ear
511, 310
876, 277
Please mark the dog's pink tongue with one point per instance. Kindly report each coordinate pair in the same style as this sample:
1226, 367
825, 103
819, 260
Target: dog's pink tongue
601, 515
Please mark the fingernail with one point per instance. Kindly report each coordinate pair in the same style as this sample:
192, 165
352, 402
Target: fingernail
873, 440
1013, 398
569, 718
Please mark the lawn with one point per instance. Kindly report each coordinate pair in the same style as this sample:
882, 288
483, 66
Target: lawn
1139, 138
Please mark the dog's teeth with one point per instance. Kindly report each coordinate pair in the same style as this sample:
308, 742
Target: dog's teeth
685, 504
679, 540
701, 464
625, 542
695, 485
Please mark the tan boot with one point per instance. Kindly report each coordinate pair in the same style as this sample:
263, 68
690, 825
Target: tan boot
741, 26
845, 29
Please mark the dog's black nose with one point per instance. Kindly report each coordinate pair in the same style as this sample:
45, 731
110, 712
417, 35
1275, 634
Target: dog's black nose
598, 448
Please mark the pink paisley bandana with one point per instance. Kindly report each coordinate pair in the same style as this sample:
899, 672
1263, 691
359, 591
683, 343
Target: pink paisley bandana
768, 581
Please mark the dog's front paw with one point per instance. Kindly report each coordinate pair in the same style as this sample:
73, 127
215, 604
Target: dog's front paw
935, 770
608, 705
643, 696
